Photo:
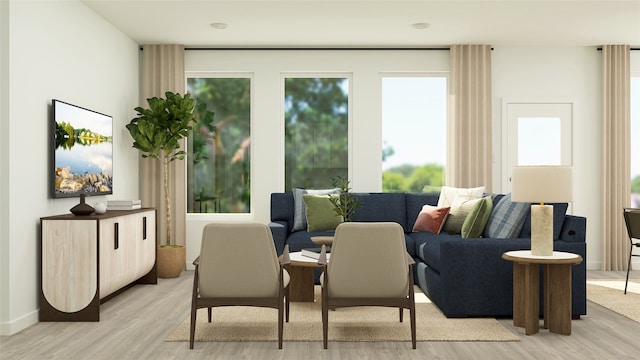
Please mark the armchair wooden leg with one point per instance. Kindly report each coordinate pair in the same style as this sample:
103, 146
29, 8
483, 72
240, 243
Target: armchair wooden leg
280, 324
401, 314
287, 301
192, 327
412, 315
325, 325
209, 313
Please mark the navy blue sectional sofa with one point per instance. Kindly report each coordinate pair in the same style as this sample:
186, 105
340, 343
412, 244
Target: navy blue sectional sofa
463, 277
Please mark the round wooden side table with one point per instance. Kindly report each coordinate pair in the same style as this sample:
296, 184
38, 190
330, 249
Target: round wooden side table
556, 291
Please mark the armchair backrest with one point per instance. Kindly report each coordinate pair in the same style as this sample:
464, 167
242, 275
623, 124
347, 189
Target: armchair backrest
238, 260
368, 260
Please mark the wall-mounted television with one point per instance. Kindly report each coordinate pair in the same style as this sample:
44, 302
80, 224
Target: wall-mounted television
82, 154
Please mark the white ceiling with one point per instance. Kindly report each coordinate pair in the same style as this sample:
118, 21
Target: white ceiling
361, 23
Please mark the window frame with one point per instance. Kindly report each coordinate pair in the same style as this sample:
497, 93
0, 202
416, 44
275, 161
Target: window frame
309, 75
416, 74
229, 75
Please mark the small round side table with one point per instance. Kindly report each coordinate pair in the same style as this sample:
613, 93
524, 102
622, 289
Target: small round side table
556, 291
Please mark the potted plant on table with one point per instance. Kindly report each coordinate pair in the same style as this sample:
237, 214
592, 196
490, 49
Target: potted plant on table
345, 203
157, 132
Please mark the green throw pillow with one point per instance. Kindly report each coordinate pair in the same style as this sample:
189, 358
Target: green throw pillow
321, 214
477, 218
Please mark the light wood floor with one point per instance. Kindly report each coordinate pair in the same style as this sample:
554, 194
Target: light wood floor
134, 324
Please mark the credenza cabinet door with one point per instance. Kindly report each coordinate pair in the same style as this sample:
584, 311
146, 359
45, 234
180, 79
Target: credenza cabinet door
125, 253
70, 267
145, 234
88, 258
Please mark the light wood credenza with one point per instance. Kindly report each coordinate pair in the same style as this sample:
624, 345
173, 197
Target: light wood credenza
87, 259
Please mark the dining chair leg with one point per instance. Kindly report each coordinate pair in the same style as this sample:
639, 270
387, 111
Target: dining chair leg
628, 268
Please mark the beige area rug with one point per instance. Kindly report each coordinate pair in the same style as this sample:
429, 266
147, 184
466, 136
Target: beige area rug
610, 294
346, 324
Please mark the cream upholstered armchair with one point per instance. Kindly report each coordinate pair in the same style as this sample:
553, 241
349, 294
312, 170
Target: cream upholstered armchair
369, 266
238, 266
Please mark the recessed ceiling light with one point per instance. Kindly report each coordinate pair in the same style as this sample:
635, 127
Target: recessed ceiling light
420, 25
219, 25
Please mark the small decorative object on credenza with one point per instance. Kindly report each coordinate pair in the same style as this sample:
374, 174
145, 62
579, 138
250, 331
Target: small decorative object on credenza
124, 204
82, 209
540, 184
100, 208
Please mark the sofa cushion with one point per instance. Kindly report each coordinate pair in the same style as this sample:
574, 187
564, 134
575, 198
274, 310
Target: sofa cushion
559, 211
476, 220
428, 247
299, 215
507, 219
448, 194
431, 218
282, 208
460, 208
381, 207
415, 202
320, 213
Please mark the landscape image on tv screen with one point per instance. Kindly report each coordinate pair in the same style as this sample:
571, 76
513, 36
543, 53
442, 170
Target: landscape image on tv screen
83, 155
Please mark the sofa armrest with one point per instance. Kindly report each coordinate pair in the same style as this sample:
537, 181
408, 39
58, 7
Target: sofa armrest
574, 229
280, 232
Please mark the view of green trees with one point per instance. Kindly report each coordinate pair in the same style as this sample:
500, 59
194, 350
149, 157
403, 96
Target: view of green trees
316, 143
410, 178
218, 178
316, 131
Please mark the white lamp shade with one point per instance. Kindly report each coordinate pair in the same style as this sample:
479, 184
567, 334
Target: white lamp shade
542, 184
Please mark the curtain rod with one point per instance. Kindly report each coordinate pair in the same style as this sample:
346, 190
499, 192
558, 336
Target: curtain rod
314, 48
632, 49
320, 48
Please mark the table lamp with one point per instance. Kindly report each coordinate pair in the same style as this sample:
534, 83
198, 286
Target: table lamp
541, 184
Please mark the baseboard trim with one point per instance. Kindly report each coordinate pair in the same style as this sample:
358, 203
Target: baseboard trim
14, 327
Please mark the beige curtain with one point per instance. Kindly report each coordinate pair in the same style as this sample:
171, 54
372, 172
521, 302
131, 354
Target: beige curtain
616, 180
163, 70
469, 127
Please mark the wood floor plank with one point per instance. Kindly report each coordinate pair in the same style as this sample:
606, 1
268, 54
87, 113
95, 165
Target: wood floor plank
135, 323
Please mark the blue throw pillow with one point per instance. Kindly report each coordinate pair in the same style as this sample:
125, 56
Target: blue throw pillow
506, 219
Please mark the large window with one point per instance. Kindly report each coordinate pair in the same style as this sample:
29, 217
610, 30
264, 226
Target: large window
218, 173
635, 141
316, 131
414, 118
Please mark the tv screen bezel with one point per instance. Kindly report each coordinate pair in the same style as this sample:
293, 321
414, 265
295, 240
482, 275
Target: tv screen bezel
53, 161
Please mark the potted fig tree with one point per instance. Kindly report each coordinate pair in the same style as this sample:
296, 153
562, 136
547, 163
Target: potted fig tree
156, 132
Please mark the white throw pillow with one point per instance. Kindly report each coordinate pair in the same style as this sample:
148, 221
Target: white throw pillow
448, 194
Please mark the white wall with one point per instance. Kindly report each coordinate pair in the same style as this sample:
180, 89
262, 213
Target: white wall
65, 51
559, 73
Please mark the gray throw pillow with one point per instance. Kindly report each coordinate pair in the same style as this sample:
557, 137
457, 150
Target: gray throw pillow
299, 216
506, 219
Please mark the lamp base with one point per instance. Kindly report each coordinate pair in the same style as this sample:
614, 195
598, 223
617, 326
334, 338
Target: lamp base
541, 230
